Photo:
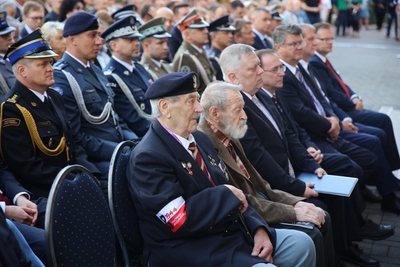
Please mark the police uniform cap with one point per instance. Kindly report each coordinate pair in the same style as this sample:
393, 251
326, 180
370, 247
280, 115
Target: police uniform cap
4, 27
192, 20
126, 11
173, 84
154, 28
31, 46
221, 24
273, 10
123, 28
80, 22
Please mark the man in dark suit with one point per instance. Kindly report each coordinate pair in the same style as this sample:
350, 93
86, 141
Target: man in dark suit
346, 98
128, 79
87, 95
188, 214
261, 20
224, 121
7, 78
276, 153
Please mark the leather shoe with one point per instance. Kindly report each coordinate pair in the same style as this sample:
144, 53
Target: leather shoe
390, 204
369, 195
374, 231
355, 255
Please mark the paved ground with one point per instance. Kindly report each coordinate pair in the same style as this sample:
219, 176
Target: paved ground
371, 66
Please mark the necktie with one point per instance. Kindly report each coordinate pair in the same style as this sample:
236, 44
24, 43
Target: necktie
317, 104
318, 84
266, 113
267, 43
275, 100
238, 160
342, 84
196, 155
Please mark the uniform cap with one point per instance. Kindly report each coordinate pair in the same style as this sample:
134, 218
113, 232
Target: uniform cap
154, 28
80, 22
123, 28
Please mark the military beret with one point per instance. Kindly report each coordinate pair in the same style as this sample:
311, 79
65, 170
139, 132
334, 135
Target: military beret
4, 27
173, 84
80, 22
123, 28
31, 46
221, 24
192, 20
154, 28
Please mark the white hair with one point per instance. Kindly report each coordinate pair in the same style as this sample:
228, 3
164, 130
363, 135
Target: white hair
155, 110
231, 58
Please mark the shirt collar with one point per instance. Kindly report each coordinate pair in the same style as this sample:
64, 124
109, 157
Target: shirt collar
225, 140
39, 95
83, 64
200, 50
259, 34
248, 95
320, 56
185, 142
28, 30
158, 63
304, 64
290, 67
270, 95
130, 67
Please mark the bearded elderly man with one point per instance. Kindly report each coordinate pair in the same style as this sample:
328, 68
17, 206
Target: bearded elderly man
224, 121
188, 213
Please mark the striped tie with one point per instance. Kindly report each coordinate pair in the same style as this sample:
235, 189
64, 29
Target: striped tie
200, 162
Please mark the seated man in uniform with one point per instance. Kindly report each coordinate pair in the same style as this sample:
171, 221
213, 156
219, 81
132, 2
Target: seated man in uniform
87, 96
188, 214
128, 79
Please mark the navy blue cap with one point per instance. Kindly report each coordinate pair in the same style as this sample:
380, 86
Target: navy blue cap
31, 46
124, 28
80, 22
221, 24
173, 84
4, 27
126, 11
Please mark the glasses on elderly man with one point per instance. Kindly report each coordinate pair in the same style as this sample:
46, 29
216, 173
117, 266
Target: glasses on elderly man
326, 40
295, 44
277, 70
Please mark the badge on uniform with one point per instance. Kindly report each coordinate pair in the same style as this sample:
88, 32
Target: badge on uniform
222, 166
142, 106
185, 69
188, 167
126, 73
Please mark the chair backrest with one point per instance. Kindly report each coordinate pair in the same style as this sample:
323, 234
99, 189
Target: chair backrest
78, 225
122, 209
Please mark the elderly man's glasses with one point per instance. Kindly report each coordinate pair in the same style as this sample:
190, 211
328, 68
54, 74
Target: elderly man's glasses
327, 40
277, 70
295, 44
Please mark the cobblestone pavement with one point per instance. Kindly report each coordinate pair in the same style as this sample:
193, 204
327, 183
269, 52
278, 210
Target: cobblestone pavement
371, 66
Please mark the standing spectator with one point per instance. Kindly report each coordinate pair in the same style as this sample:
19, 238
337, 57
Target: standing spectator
312, 9
342, 7
392, 16
326, 8
380, 10
354, 16
33, 17
365, 14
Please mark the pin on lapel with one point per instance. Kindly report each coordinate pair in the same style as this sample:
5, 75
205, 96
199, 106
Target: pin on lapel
126, 73
188, 167
212, 160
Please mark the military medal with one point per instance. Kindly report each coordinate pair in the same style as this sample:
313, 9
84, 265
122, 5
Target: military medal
188, 167
212, 160
50, 141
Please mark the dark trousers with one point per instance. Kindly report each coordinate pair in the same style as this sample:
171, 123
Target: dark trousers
380, 15
342, 21
392, 16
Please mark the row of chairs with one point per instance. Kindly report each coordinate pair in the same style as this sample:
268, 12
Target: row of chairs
81, 227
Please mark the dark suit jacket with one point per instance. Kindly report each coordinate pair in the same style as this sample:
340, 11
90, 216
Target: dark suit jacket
34, 169
278, 207
269, 152
137, 81
99, 141
259, 44
333, 88
51, 16
23, 32
166, 194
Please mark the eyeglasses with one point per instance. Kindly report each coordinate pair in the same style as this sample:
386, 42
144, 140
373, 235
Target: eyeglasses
295, 44
36, 18
326, 40
277, 70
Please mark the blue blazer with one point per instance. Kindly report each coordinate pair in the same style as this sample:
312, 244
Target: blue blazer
158, 177
99, 141
138, 82
259, 44
269, 152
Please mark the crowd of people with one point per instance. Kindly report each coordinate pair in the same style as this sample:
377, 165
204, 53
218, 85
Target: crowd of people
228, 103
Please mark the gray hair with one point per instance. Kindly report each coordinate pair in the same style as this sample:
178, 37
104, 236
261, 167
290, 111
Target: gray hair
14, 23
50, 29
280, 33
215, 96
155, 111
305, 25
231, 58
23, 61
7, 3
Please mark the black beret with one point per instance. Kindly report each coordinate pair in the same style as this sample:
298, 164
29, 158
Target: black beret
80, 22
173, 84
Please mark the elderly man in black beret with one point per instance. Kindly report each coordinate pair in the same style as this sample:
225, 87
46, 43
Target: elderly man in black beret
88, 97
188, 212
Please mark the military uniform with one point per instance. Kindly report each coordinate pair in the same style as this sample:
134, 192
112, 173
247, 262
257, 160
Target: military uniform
153, 69
183, 62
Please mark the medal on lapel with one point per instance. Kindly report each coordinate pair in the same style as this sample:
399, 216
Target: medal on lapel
188, 167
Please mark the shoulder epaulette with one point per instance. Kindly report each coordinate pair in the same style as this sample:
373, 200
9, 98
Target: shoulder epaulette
109, 71
13, 99
60, 65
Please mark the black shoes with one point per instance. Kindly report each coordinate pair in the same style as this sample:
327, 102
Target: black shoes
391, 203
355, 255
369, 195
375, 231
